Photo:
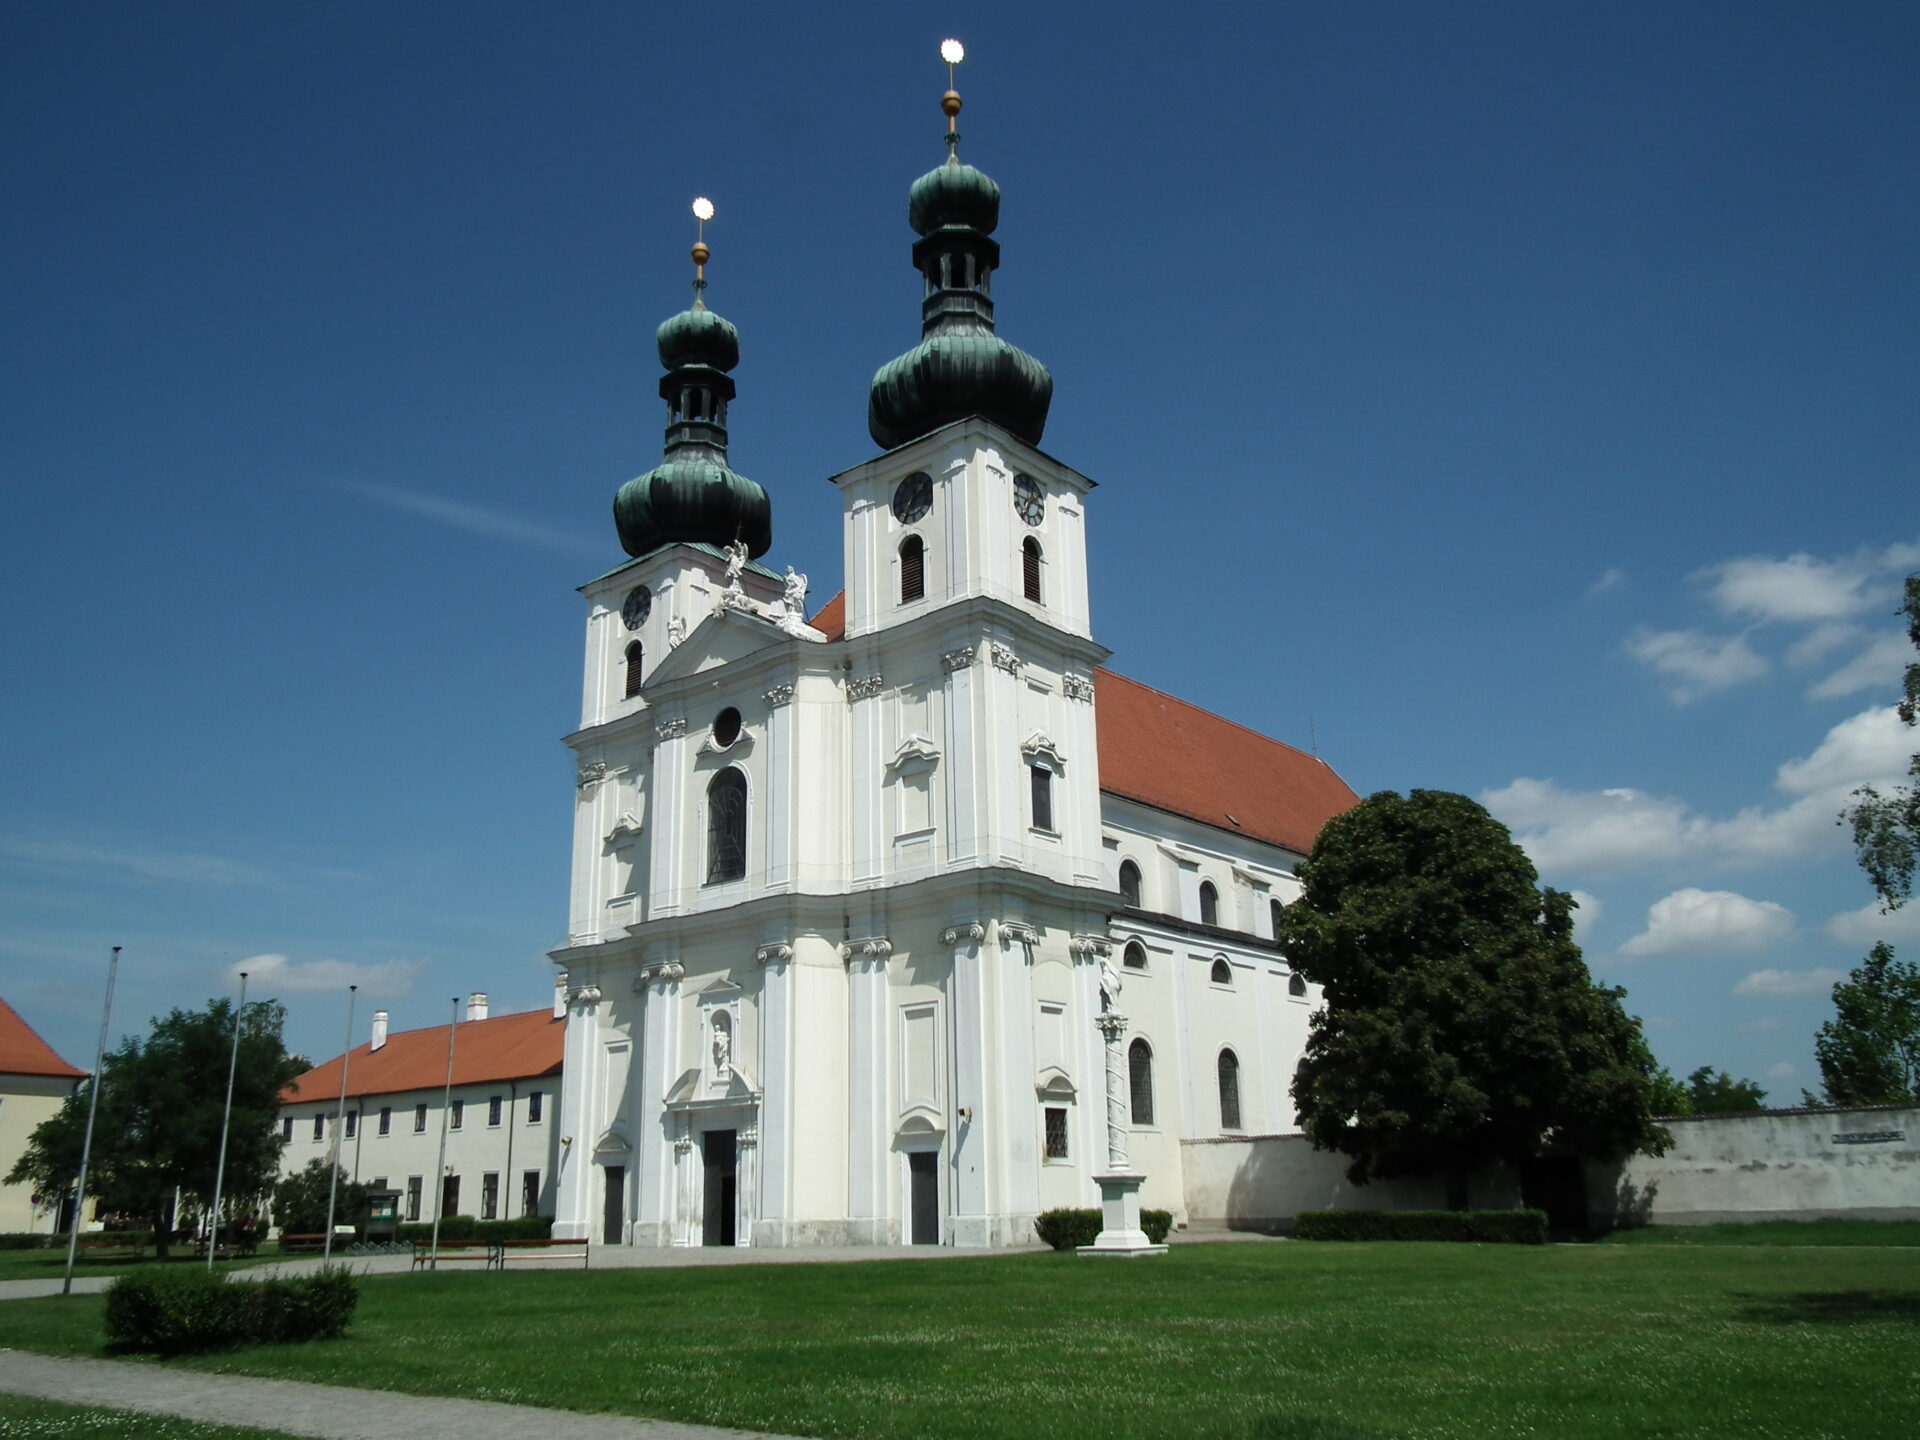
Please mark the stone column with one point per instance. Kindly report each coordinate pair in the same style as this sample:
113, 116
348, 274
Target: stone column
773, 1207
577, 1120
657, 1063
746, 1182
973, 1123
1120, 1232
869, 1150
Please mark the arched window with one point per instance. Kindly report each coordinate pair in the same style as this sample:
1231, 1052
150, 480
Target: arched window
1209, 903
1275, 909
1140, 1081
1134, 957
1296, 986
1229, 1090
635, 664
1130, 884
913, 569
1222, 973
1030, 567
726, 826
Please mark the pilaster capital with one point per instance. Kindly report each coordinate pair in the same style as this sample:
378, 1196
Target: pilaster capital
666, 972
969, 933
671, 729
957, 660
1090, 947
1077, 687
779, 695
778, 953
1017, 932
1004, 659
865, 687
584, 997
1112, 1025
592, 772
876, 947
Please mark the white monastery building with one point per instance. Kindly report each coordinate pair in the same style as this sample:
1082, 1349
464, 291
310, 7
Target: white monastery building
907, 923
499, 1113
34, 1083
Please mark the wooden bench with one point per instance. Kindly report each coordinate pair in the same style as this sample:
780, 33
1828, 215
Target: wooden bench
104, 1250
544, 1250
455, 1251
303, 1244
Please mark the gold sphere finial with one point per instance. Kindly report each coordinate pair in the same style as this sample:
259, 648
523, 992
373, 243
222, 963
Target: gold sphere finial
700, 252
950, 103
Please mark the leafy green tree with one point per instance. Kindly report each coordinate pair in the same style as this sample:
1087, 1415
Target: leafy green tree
1461, 1025
161, 1103
1886, 828
300, 1200
1714, 1092
1869, 1053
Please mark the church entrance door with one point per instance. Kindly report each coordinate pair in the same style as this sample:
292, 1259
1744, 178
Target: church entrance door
720, 1150
924, 1194
614, 1219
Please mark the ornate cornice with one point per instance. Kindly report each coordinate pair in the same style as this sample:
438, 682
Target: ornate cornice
964, 934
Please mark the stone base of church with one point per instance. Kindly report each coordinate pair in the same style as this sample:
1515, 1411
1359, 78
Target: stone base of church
1120, 1233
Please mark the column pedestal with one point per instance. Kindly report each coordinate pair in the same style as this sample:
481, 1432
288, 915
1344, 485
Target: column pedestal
1120, 1232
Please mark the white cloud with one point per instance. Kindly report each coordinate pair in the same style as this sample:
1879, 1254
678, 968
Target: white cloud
1781, 1070
1610, 579
176, 867
495, 524
1758, 1027
1820, 642
1709, 922
1609, 830
1696, 663
1788, 982
1799, 587
1867, 926
1587, 910
391, 978
1878, 667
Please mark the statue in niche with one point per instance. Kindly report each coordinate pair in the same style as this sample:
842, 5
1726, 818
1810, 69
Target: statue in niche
722, 1049
676, 632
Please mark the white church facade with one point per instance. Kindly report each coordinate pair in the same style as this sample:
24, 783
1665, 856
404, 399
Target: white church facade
851, 894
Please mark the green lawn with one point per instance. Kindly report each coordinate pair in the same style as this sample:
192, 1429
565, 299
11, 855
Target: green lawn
52, 1264
25, 1419
1776, 1232
1251, 1340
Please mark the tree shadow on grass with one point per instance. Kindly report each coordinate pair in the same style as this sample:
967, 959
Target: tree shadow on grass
1833, 1307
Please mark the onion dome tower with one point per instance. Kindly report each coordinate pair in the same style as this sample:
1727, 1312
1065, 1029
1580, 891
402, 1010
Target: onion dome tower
692, 495
960, 367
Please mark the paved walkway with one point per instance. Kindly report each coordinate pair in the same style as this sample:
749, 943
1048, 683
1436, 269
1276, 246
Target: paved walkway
331, 1412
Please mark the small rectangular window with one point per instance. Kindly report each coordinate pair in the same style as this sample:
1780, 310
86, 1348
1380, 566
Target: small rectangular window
536, 1102
530, 1192
320, 1127
413, 1197
1042, 780
386, 1119
489, 1197
1056, 1132
379, 1182
286, 1128
493, 1110
353, 1123
450, 1196
459, 1114
420, 1119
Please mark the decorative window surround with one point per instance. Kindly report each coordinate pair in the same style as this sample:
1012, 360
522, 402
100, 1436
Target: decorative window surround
916, 746
1039, 747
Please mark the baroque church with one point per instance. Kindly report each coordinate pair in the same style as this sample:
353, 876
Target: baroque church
906, 921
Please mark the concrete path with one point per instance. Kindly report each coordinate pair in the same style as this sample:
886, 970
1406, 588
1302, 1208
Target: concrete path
331, 1412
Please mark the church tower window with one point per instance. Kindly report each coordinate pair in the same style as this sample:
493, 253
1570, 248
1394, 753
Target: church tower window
1030, 568
1274, 910
1042, 780
1297, 986
913, 569
1209, 903
635, 664
726, 826
1130, 884
1134, 957
1229, 1090
1140, 1081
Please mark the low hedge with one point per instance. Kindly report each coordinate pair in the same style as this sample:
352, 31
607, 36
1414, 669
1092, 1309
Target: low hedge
23, 1240
186, 1311
1490, 1227
465, 1230
1070, 1229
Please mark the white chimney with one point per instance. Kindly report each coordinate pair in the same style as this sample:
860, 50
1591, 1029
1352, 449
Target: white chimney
379, 1029
477, 1005
560, 996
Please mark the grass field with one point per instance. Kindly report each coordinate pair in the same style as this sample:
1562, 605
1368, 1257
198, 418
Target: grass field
1260, 1341
52, 1264
1776, 1232
25, 1419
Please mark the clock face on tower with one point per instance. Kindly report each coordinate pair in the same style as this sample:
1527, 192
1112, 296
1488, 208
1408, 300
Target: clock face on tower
636, 608
1028, 502
913, 498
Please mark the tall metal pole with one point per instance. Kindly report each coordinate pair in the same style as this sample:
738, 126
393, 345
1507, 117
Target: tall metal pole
339, 1130
226, 1122
93, 1108
440, 1173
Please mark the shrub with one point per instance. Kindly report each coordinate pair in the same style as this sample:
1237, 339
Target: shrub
1070, 1229
1492, 1227
22, 1240
185, 1311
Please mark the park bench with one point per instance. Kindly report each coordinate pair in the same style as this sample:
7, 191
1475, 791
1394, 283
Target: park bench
103, 1250
303, 1244
544, 1250
455, 1251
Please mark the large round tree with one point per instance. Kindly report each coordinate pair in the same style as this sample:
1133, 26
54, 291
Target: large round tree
1460, 1024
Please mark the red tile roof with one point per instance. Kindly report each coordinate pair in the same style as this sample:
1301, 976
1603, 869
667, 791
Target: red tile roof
23, 1052
1174, 756
507, 1047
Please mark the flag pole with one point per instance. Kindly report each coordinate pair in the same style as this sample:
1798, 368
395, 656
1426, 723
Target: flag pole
226, 1121
339, 1130
86, 1144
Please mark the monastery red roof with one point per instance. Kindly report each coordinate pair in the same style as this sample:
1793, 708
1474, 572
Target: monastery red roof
507, 1047
23, 1052
1175, 756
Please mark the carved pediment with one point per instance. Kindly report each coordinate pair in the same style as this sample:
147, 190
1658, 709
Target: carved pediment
613, 1141
1039, 746
916, 748
1055, 1083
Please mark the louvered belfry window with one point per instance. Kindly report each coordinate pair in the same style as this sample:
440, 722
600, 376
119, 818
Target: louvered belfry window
635, 657
1030, 567
726, 827
913, 569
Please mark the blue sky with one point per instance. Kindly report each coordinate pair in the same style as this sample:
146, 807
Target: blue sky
1509, 399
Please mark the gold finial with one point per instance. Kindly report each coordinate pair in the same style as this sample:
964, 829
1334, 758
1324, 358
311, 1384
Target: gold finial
953, 52
702, 212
